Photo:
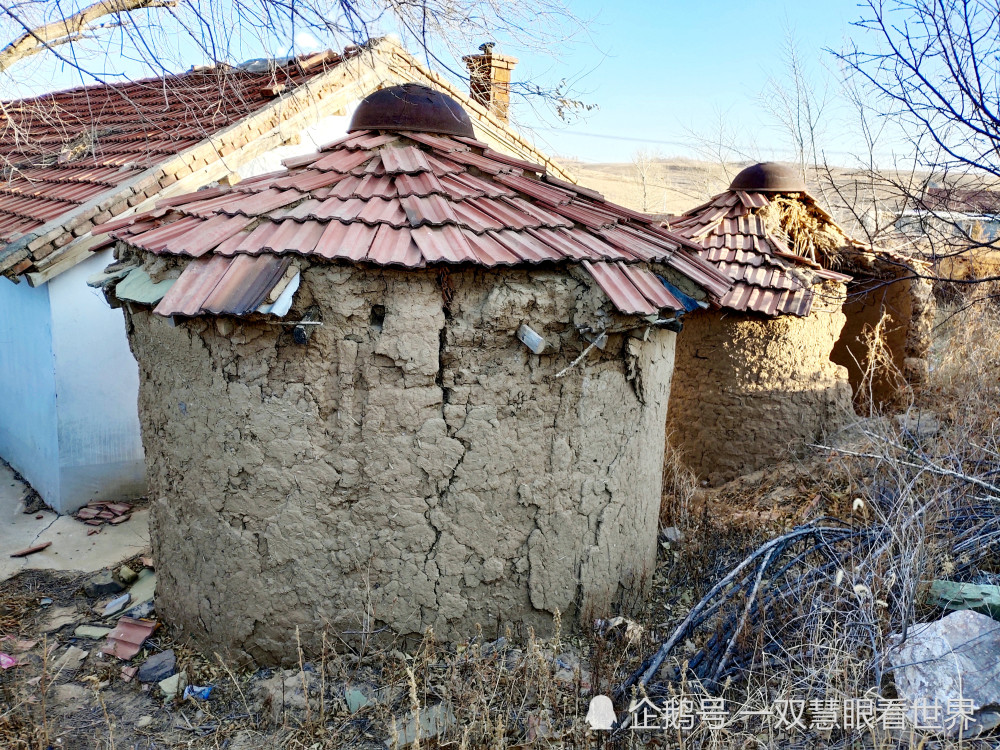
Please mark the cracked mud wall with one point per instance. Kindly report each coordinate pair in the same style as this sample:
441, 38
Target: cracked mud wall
748, 390
413, 466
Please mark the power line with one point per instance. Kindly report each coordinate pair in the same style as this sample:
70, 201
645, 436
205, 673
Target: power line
616, 137
879, 156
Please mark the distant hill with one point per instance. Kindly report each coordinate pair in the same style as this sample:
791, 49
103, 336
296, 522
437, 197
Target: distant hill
674, 186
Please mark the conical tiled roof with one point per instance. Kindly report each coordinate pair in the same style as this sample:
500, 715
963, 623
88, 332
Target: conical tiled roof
406, 199
767, 276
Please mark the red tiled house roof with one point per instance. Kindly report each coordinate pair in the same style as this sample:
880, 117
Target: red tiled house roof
67, 156
767, 276
406, 199
75, 159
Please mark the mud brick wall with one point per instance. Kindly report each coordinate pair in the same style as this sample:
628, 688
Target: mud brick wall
412, 466
750, 390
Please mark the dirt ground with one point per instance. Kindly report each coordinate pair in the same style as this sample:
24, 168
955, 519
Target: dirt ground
526, 691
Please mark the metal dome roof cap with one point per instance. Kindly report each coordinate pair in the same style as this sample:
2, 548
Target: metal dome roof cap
769, 177
412, 107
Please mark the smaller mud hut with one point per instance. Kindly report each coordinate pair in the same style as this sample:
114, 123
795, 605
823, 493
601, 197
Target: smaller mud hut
408, 383
778, 364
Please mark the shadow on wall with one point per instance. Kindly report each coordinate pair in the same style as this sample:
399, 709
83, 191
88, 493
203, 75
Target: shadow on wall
786, 422
881, 360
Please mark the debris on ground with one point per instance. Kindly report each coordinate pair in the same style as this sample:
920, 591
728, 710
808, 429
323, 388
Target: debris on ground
102, 584
92, 632
70, 659
117, 604
31, 550
158, 667
33, 502
100, 512
284, 695
198, 692
422, 725
126, 640
141, 592
958, 596
171, 686
954, 661
58, 618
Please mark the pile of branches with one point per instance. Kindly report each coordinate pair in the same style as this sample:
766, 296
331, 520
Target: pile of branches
833, 587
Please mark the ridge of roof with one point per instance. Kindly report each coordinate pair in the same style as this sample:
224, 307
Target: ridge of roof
408, 200
46, 216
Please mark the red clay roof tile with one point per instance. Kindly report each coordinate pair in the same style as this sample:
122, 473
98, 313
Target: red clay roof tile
769, 279
76, 145
408, 199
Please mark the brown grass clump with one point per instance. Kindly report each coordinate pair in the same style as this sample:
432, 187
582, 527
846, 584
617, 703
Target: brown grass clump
805, 230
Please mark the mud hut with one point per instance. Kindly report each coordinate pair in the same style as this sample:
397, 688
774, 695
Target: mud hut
777, 365
408, 383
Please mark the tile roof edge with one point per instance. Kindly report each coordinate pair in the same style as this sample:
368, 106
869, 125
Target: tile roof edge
151, 80
62, 259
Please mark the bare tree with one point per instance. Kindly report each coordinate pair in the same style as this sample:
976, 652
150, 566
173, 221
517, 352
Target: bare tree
798, 100
727, 144
108, 38
933, 69
645, 168
87, 22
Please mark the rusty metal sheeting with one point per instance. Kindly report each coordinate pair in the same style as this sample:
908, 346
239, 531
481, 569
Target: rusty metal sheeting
769, 278
408, 199
65, 149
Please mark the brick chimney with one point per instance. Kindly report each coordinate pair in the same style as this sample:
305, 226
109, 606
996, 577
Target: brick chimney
489, 79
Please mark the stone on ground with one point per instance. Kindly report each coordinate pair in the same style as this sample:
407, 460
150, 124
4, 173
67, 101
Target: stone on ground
953, 659
158, 667
102, 584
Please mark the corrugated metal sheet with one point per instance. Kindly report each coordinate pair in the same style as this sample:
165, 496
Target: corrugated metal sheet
408, 200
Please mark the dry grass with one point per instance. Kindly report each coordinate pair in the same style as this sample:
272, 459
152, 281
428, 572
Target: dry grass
809, 619
806, 232
810, 615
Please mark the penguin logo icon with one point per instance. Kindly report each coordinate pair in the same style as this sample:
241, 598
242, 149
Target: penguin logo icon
601, 714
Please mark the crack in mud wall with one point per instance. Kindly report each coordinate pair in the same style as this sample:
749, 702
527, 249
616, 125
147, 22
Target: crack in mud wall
407, 469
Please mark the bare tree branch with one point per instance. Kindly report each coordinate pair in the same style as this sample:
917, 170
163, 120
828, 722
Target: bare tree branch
66, 30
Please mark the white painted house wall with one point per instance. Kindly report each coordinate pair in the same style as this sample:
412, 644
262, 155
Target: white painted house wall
97, 390
311, 139
69, 422
28, 425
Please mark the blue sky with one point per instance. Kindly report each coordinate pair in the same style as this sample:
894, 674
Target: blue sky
672, 67
657, 71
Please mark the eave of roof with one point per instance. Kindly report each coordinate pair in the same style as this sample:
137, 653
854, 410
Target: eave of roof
407, 200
